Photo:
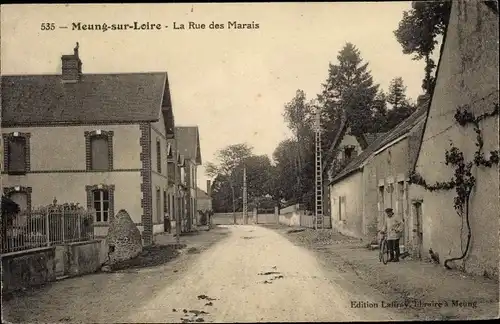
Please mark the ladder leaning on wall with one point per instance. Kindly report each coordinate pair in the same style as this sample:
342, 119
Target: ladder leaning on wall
318, 219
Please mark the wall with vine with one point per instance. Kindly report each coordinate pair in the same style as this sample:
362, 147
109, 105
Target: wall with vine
464, 181
458, 159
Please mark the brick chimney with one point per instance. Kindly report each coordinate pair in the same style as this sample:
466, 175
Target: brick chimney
71, 66
209, 188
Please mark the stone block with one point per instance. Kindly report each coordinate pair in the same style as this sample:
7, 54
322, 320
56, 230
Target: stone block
123, 239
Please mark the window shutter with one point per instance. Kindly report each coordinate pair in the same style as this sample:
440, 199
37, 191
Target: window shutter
17, 154
100, 153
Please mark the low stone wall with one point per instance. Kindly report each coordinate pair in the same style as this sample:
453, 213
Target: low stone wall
267, 218
83, 258
290, 215
308, 221
28, 268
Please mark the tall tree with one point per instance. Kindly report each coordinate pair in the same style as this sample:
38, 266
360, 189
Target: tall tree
259, 178
298, 114
397, 93
379, 113
285, 171
349, 90
229, 159
418, 30
400, 105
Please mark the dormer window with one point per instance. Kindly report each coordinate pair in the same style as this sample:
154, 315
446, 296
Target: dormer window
349, 152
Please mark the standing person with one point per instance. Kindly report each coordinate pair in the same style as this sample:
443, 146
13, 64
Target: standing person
393, 229
168, 224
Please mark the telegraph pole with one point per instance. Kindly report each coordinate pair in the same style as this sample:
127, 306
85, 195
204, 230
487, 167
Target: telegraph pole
319, 173
245, 198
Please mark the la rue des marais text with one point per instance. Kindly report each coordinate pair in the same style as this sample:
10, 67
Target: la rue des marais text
154, 26
414, 304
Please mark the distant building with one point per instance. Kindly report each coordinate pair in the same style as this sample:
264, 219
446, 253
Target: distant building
204, 198
188, 146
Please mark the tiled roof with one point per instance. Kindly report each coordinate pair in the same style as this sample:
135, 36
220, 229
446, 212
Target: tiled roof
401, 129
188, 142
371, 137
45, 99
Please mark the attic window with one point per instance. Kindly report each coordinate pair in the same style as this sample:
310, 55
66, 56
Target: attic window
349, 152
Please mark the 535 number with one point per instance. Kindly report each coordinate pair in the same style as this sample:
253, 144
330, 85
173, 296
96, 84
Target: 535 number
48, 26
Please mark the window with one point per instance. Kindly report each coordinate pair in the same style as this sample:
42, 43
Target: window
183, 175
16, 152
171, 171
341, 207
100, 153
169, 151
158, 206
165, 202
158, 155
99, 150
101, 204
20, 198
348, 152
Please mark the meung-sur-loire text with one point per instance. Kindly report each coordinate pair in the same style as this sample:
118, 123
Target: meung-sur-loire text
215, 25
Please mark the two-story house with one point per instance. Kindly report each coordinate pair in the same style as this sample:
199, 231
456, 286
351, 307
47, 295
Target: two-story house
95, 139
188, 142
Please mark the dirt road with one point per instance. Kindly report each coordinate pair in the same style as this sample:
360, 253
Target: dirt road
253, 275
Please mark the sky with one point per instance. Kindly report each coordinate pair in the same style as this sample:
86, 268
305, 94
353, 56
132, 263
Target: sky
231, 83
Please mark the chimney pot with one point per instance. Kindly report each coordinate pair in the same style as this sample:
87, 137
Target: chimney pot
71, 66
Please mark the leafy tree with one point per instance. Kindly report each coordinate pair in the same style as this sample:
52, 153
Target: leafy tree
222, 196
298, 114
286, 171
259, 178
229, 159
418, 30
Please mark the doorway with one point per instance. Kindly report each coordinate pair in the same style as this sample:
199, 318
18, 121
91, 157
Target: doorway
417, 229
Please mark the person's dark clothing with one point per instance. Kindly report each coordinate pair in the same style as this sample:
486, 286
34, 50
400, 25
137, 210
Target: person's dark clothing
393, 247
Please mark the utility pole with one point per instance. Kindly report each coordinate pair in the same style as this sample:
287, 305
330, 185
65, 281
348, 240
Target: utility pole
319, 173
176, 200
245, 199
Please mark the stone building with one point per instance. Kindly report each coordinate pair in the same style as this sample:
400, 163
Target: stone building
466, 81
95, 139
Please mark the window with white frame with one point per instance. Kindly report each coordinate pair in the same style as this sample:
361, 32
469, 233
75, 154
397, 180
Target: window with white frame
101, 204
